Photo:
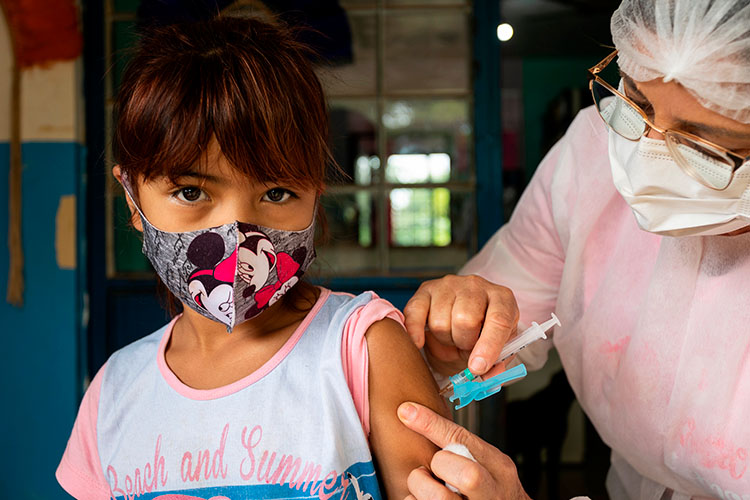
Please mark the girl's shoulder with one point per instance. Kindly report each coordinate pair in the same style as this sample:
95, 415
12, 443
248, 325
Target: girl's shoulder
133, 359
345, 303
358, 311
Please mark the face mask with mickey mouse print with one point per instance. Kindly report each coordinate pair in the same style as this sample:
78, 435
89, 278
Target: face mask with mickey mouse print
229, 273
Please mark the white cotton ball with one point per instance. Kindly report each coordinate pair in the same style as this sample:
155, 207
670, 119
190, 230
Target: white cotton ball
462, 450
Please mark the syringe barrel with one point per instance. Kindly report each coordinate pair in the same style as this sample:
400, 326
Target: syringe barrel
528, 336
533, 333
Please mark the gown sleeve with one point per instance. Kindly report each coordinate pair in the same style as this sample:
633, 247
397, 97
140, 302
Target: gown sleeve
527, 255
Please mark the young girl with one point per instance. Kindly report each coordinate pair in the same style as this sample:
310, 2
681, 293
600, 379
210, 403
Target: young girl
264, 386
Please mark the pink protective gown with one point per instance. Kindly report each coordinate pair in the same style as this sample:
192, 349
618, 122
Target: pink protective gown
656, 330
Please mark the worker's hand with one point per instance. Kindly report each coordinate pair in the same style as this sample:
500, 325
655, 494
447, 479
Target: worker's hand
460, 318
493, 475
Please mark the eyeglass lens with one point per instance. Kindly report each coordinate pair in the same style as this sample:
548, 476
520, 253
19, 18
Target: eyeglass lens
709, 166
713, 168
618, 113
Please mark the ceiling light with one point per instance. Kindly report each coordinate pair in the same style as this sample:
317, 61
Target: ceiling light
504, 32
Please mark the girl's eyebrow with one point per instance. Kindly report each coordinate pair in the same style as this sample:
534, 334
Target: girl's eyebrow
203, 177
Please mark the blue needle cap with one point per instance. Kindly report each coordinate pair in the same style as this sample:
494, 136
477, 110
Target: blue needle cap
469, 390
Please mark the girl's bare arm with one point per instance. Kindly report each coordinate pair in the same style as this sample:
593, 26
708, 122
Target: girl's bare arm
397, 373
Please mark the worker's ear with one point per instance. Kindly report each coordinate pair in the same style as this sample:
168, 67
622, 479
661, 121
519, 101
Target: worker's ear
135, 220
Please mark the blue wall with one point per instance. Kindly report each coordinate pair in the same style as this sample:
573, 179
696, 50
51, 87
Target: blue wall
40, 356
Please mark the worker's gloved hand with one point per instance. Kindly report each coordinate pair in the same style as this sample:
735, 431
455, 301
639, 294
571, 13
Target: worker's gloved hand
492, 476
459, 319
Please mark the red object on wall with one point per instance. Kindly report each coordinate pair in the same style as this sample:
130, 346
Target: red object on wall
43, 30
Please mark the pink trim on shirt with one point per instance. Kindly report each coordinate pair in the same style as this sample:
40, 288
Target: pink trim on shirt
268, 366
80, 470
354, 356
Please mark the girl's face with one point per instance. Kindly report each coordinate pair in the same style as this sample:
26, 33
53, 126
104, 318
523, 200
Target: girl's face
214, 193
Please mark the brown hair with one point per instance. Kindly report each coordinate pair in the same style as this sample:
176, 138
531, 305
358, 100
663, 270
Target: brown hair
245, 82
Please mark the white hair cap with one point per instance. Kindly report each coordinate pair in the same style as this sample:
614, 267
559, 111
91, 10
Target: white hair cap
702, 44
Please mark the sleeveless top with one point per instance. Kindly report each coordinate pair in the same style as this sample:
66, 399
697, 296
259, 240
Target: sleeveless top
288, 430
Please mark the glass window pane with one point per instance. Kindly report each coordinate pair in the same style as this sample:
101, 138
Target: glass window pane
420, 217
430, 228
357, 77
438, 128
416, 168
353, 141
426, 50
351, 245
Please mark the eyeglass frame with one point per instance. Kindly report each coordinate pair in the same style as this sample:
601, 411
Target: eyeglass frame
594, 71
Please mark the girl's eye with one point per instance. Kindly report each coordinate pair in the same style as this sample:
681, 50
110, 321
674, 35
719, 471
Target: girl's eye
189, 194
277, 195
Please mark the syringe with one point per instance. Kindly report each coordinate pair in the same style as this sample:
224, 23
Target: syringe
532, 334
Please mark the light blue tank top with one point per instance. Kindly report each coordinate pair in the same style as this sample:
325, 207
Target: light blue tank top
289, 430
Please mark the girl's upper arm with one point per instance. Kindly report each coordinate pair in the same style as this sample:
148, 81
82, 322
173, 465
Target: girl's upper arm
397, 373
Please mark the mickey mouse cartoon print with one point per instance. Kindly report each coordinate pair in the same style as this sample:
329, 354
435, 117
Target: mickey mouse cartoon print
211, 285
257, 260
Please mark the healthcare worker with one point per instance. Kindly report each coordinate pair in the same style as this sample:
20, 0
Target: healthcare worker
635, 230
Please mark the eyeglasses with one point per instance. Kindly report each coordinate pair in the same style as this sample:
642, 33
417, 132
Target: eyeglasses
708, 163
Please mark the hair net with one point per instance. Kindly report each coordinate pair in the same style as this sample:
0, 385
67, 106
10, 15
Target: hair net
702, 44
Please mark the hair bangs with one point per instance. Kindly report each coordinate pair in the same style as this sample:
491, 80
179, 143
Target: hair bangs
245, 83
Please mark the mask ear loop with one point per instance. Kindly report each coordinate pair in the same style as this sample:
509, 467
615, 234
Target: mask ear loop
127, 187
125, 182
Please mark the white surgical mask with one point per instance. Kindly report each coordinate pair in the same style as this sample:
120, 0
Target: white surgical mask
666, 200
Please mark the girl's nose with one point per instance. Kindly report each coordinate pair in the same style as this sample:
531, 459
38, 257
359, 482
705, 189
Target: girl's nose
242, 209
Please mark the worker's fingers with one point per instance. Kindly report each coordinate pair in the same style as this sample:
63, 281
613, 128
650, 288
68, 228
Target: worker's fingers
468, 476
415, 316
500, 323
439, 430
423, 486
431, 307
439, 320
494, 475
468, 313
444, 359
447, 353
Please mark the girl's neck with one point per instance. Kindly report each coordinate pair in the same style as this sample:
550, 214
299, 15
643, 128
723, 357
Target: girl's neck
203, 355
194, 331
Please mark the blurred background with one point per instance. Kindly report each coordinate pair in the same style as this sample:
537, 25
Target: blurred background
440, 111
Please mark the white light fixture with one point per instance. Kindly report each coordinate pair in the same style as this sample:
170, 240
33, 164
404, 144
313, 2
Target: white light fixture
504, 32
